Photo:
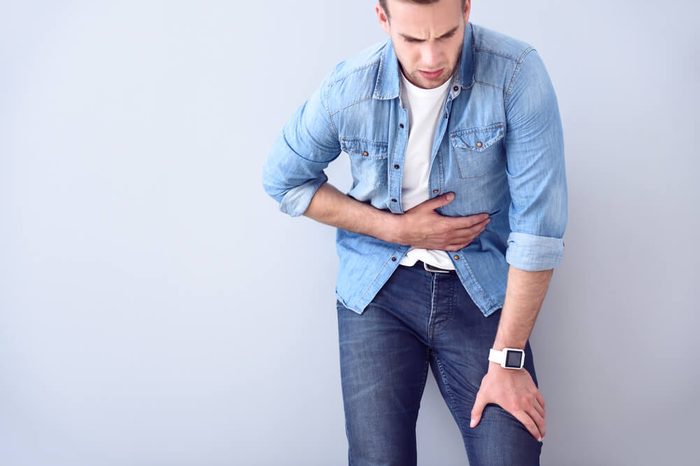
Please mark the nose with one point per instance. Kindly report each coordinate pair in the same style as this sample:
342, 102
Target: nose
430, 55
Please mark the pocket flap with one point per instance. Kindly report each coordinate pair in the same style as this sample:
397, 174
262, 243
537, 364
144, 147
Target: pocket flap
364, 148
477, 139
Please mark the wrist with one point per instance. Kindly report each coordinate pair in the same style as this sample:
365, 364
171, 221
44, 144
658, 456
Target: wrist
392, 227
508, 342
495, 367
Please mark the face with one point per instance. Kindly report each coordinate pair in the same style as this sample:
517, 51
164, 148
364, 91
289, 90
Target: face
427, 38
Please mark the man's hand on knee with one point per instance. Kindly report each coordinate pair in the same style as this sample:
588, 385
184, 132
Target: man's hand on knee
514, 391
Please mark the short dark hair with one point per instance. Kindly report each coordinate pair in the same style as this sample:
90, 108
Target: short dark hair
420, 2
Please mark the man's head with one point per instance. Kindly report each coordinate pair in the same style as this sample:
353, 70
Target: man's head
427, 36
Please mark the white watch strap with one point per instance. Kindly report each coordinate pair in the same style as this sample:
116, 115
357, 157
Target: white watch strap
497, 356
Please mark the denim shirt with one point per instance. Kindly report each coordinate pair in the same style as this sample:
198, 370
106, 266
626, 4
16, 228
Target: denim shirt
498, 146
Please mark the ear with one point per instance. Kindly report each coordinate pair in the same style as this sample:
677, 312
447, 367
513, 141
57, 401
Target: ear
467, 10
382, 17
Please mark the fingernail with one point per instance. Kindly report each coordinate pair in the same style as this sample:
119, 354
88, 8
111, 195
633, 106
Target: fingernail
472, 423
539, 439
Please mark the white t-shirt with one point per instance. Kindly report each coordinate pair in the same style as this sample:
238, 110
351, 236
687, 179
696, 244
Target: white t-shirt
424, 107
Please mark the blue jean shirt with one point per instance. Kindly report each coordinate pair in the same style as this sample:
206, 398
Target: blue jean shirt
498, 146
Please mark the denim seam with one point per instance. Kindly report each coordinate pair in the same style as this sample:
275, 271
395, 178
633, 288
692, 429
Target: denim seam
495, 52
448, 389
336, 80
484, 83
451, 300
477, 129
284, 136
441, 174
370, 284
433, 292
354, 102
518, 67
426, 366
369, 141
476, 283
325, 106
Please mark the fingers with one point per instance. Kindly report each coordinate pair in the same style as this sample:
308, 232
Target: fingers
532, 422
478, 408
540, 398
538, 406
467, 222
466, 236
533, 418
539, 422
473, 231
439, 201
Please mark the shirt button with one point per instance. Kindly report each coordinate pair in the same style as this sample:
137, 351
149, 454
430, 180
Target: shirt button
479, 144
401, 125
435, 190
456, 256
365, 153
396, 166
456, 88
393, 258
393, 200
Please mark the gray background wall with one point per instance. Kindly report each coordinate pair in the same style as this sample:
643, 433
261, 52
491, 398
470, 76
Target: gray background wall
157, 309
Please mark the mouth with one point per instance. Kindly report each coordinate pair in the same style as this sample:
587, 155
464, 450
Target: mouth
432, 74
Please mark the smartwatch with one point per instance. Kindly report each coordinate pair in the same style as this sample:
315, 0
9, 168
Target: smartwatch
509, 358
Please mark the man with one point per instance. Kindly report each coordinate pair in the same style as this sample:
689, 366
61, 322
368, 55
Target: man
447, 239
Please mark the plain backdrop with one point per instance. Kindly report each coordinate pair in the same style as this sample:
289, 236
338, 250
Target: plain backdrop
157, 309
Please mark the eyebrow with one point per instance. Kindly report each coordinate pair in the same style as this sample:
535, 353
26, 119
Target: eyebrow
447, 34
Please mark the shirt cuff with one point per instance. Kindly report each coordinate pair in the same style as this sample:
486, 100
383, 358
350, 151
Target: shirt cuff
297, 199
534, 253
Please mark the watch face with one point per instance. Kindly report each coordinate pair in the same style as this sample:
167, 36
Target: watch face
513, 358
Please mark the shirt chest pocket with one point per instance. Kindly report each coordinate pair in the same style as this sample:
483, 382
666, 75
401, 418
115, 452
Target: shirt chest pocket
368, 161
478, 151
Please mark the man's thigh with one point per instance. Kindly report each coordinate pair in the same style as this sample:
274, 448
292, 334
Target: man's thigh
459, 361
383, 369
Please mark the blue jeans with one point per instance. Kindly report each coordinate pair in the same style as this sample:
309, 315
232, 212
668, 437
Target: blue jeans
420, 319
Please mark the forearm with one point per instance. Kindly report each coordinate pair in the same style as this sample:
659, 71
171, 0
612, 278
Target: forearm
332, 207
525, 293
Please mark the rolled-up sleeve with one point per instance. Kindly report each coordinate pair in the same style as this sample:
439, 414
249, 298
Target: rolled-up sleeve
294, 168
535, 168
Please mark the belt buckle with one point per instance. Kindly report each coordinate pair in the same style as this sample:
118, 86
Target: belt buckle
431, 268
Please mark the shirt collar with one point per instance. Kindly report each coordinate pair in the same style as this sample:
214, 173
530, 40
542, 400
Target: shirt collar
388, 77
